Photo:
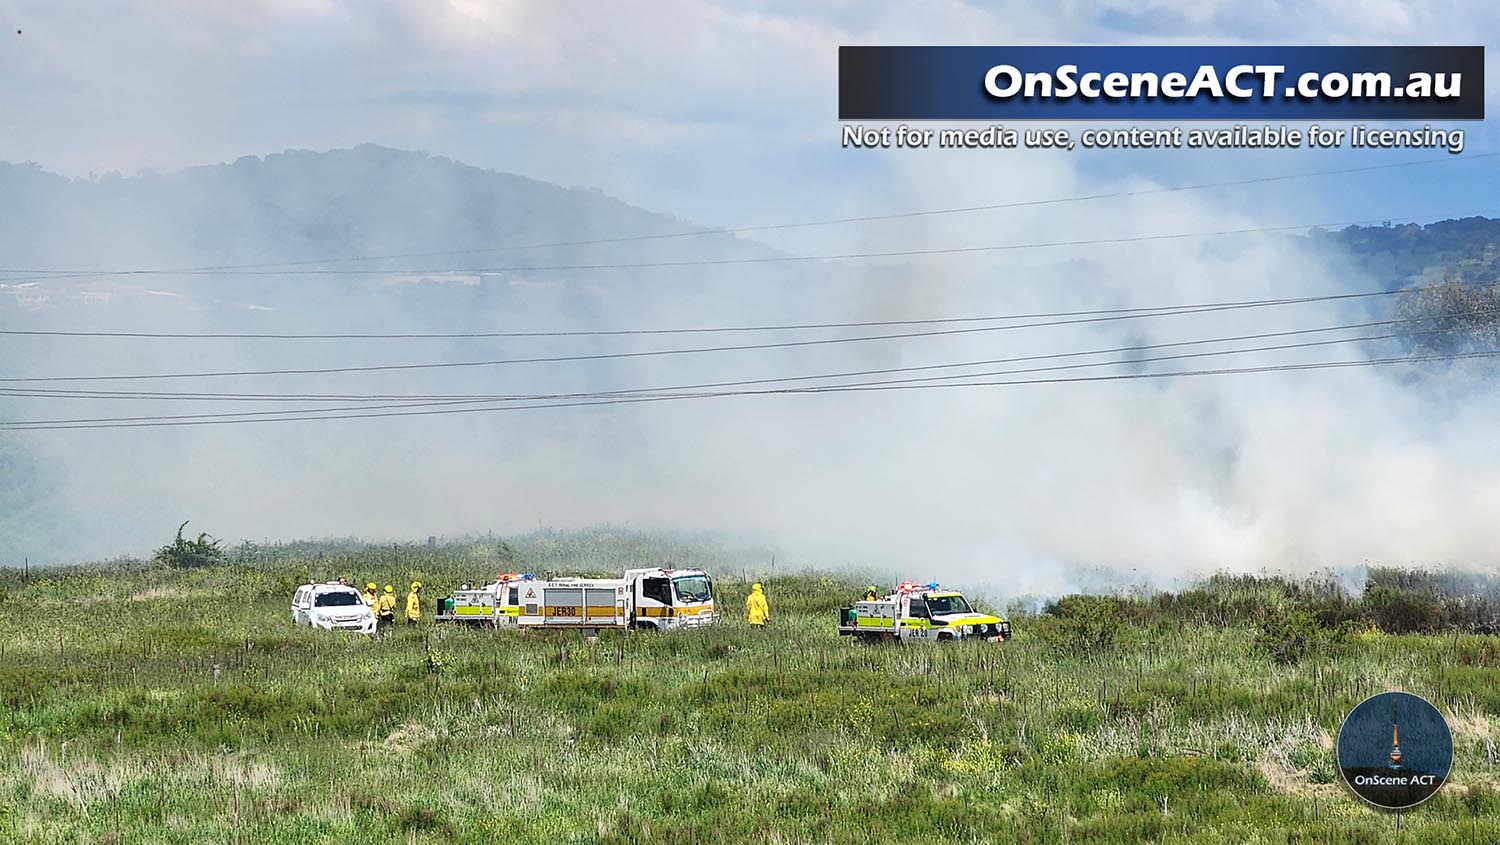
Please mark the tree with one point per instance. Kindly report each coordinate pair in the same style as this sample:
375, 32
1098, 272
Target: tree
1452, 317
190, 554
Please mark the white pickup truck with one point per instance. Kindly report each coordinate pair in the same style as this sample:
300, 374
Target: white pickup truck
332, 607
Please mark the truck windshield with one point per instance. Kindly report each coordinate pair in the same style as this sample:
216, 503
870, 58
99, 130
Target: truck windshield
339, 599
694, 588
943, 605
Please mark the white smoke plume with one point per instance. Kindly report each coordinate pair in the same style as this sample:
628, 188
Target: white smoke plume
1015, 489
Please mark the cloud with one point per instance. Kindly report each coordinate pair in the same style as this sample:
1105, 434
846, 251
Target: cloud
648, 103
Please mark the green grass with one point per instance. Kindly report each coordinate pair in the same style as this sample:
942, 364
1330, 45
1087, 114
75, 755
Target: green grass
116, 727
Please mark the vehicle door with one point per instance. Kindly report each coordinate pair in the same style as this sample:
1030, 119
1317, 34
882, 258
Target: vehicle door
656, 600
508, 609
918, 621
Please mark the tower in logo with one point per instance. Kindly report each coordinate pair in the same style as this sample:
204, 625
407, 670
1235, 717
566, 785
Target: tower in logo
1395, 737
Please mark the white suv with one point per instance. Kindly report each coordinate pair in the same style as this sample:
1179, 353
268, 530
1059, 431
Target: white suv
332, 607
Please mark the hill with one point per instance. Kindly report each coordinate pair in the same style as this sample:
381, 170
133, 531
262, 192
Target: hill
1406, 254
302, 206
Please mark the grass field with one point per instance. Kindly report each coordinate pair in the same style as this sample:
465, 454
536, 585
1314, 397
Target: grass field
143, 704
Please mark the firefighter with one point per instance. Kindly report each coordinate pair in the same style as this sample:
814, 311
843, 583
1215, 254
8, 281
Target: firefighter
414, 603
757, 611
385, 610
372, 598
870, 594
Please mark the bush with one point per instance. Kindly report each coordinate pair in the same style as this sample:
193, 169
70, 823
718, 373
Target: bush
1409, 615
1294, 635
1476, 614
1335, 611
1085, 624
1401, 611
245, 554
190, 554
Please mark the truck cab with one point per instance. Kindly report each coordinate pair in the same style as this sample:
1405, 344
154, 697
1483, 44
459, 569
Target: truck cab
665, 599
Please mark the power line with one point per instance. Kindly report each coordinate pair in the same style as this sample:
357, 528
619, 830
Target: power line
700, 232
1145, 310
710, 262
72, 393
666, 393
612, 355
1404, 359
1138, 361
780, 391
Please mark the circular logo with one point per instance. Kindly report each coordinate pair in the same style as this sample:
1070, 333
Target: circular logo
1395, 750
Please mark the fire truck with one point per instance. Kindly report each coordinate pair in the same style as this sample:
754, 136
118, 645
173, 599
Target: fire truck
923, 612
653, 599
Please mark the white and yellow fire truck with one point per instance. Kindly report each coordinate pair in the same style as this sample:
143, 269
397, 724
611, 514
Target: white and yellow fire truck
659, 599
921, 612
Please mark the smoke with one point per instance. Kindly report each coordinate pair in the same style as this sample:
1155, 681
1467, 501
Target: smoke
1017, 490
714, 113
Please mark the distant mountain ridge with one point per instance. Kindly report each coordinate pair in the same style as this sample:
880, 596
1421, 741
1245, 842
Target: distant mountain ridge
1409, 253
302, 205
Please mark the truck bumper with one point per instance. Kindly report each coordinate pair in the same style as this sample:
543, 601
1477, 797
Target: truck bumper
358, 627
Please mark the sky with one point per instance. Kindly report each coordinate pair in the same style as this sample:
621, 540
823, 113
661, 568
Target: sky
725, 114
720, 112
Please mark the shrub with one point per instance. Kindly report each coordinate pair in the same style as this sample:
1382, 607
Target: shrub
1292, 636
1400, 611
1335, 611
246, 553
1409, 615
413, 818
190, 554
1084, 623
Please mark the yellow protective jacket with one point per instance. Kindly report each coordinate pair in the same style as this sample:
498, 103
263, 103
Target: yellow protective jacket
386, 607
372, 601
413, 606
757, 611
